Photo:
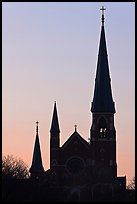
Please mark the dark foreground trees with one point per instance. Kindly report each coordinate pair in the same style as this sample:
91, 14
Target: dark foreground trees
131, 184
13, 167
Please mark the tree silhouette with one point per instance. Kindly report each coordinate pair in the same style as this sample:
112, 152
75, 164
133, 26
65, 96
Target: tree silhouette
13, 167
131, 184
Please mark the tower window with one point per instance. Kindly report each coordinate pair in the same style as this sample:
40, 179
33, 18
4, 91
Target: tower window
102, 127
102, 132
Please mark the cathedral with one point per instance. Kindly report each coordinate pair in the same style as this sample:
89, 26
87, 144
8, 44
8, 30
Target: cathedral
85, 170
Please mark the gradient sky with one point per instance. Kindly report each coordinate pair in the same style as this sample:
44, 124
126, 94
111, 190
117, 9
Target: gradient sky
49, 53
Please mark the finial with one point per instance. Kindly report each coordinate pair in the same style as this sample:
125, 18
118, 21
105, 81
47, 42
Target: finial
37, 127
54, 103
102, 9
75, 128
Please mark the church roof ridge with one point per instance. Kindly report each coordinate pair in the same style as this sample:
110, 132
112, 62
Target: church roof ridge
75, 134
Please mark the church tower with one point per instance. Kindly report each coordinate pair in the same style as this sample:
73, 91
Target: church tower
37, 166
54, 139
102, 132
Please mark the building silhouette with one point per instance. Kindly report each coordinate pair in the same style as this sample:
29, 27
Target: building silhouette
81, 170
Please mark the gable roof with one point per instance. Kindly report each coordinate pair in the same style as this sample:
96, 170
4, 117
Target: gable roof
72, 137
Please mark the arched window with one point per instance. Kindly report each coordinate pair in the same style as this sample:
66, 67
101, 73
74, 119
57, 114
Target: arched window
102, 132
102, 128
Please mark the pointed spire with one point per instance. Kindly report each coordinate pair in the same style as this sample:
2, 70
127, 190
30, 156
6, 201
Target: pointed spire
55, 123
37, 166
102, 100
102, 9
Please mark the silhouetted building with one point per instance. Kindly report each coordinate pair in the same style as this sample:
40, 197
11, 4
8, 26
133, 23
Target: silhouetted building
36, 167
85, 171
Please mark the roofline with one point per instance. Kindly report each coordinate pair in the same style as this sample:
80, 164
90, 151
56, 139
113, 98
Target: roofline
70, 138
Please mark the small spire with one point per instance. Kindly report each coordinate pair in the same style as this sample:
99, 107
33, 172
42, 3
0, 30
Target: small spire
75, 128
37, 127
37, 166
102, 9
55, 123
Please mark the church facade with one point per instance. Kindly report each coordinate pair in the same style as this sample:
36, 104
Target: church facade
85, 171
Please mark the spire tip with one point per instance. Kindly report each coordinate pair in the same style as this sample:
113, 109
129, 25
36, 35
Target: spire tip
75, 128
103, 9
37, 127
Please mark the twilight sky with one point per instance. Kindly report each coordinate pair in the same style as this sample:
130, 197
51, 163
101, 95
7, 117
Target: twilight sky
49, 53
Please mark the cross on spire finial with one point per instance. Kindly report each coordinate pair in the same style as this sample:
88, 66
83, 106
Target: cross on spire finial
102, 9
75, 128
37, 127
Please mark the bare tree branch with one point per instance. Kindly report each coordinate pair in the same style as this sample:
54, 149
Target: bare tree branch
131, 184
13, 167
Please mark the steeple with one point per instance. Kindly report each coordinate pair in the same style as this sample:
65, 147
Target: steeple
102, 100
36, 166
54, 139
102, 132
55, 123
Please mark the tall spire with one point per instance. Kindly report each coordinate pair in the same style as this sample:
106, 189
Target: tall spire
55, 123
37, 166
102, 100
